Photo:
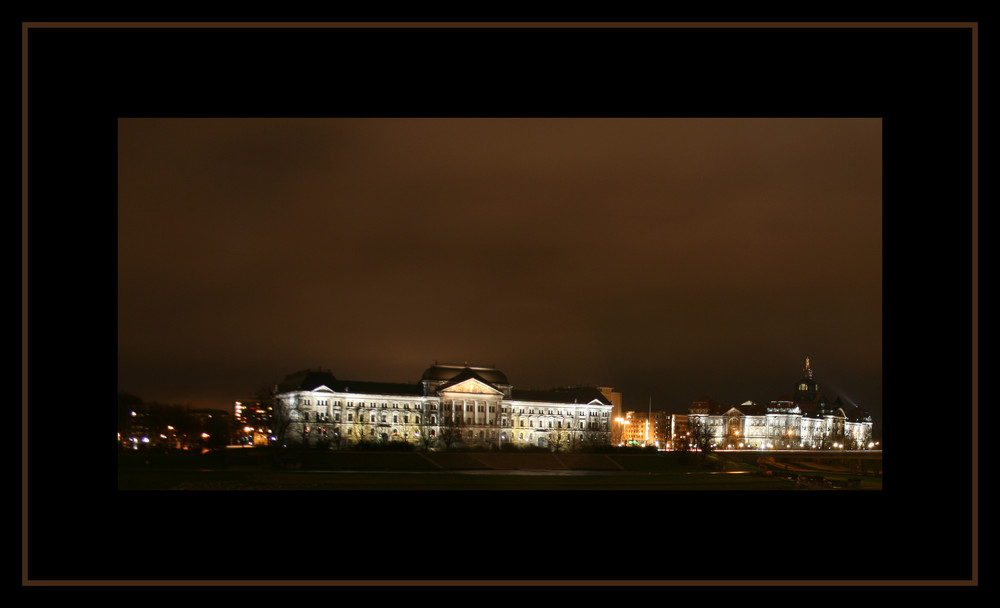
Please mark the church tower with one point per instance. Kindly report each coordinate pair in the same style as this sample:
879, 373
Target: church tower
807, 388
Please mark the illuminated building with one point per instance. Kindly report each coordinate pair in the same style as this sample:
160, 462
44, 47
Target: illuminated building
639, 428
804, 419
657, 429
450, 404
678, 431
615, 398
635, 429
253, 421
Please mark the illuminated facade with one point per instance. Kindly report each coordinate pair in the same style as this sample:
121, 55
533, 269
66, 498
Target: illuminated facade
645, 429
636, 429
804, 419
451, 404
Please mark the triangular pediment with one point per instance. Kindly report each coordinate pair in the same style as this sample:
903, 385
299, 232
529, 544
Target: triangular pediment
322, 389
471, 386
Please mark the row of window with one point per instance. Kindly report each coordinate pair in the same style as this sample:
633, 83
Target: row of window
553, 412
558, 424
469, 407
371, 404
324, 432
452, 404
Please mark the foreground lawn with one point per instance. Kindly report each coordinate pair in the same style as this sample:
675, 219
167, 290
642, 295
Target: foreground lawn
392, 480
349, 470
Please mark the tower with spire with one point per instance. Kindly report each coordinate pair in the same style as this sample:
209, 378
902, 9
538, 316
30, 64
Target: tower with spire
807, 389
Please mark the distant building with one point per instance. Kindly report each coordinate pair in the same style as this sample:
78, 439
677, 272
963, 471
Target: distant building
802, 419
635, 429
449, 404
615, 398
646, 429
254, 421
679, 432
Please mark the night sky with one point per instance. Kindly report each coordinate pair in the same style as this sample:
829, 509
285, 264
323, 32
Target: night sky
669, 258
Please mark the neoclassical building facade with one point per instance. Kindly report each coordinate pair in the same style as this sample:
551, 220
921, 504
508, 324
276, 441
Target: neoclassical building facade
450, 405
803, 419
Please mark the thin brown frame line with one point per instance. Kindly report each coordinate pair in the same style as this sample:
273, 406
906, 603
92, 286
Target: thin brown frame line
505, 24
509, 583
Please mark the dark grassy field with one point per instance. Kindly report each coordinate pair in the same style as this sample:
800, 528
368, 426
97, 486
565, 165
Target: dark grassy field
350, 470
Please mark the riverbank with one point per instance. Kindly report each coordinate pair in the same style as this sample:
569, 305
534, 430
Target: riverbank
353, 470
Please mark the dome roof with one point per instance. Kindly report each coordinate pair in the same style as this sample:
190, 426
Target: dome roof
439, 372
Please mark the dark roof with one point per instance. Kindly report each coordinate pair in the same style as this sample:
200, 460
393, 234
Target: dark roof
717, 409
858, 414
465, 374
448, 372
308, 380
752, 409
380, 388
574, 394
714, 407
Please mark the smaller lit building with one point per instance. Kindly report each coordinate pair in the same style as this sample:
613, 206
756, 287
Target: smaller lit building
636, 429
644, 429
804, 419
678, 432
253, 423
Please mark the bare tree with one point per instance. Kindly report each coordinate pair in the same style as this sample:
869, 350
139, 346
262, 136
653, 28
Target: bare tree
617, 431
575, 443
280, 413
681, 442
595, 438
425, 430
362, 426
556, 441
702, 435
452, 427
337, 437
